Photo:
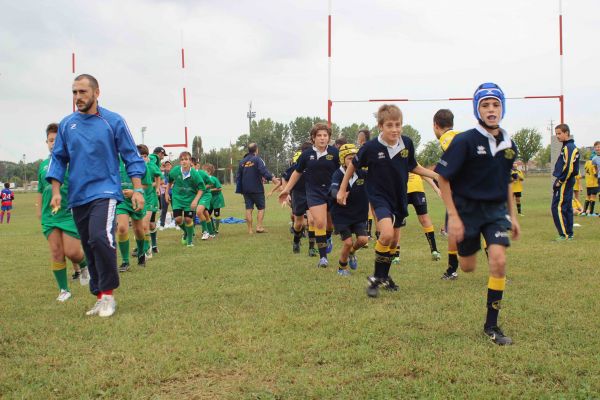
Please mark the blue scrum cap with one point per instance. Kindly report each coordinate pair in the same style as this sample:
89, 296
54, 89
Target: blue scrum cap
485, 91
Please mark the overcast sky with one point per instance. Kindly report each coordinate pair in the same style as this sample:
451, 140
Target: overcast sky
274, 52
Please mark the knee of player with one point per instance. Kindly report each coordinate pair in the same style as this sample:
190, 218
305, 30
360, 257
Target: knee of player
122, 229
468, 264
361, 241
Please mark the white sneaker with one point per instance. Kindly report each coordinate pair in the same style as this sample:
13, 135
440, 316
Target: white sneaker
84, 278
63, 296
149, 253
108, 306
205, 236
96, 309
161, 228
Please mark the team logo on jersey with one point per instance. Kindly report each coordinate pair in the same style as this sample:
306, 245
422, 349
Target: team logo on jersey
73, 126
404, 153
359, 182
312, 157
509, 154
481, 150
249, 164
380, 155
329, 157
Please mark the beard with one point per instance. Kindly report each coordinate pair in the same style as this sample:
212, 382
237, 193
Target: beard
86, 106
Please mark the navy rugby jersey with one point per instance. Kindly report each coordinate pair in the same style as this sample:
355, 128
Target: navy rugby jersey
477, 166
318, 168
300, 185
251, 170
357, 204
388, 172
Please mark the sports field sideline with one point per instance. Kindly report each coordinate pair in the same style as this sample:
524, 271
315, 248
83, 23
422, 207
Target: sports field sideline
243, 317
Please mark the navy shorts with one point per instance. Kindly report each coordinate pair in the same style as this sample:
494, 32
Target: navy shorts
592, 191
254, 199
318, 196
384, 212
490, 219
418, 201
6, 208
358, 229
299, 204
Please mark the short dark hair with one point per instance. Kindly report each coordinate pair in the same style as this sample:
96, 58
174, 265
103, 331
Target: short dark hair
6, 185
143, 149
166, 162
306, 145
444, 118
367, 134
51, 128
564, 128
252, 147
341, 141
93, 81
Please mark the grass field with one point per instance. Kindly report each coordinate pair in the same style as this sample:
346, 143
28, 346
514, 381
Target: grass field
241, 317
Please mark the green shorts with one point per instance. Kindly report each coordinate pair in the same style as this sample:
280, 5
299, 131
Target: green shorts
67, 226
151, 207
205, 200
126, 208
217, 202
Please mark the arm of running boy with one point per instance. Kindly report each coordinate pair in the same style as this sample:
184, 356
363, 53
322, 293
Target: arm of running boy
424, 172
137, 198
342, 193
456, 229
515, 228
288, 188
431, 183
38, 206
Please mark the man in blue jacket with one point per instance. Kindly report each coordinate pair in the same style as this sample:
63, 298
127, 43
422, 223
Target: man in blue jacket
89, 142
565, 170
251, 171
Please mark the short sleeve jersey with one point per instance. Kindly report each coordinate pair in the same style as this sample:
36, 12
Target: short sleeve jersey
45, 189
185, 187
153, 172
7, 197
318, 168
126, 183
415, 183
357, 204
475, 171
387, 178
591, 174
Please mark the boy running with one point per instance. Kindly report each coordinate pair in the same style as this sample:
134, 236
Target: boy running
417, 198
389, 159
475, 183
351, 218
218, 201
317, 164
151, 192
187, 188
58, 226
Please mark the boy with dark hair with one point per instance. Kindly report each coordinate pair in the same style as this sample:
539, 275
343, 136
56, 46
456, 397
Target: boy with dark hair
208, 231
474, 177
7, 196
218, 201
187, 188
565, 170
151, 197
317, 164
443, 128
389, 159
58, 226
350, 219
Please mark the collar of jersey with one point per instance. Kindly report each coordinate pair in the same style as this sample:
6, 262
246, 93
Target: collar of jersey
320, 154
184, 175
354, 176
392, 150
495, 148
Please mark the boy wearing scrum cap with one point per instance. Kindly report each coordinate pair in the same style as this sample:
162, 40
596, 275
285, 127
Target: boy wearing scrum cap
476, 187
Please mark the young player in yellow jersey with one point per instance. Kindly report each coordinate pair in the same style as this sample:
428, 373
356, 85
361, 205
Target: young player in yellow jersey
517, 179
591, 185
416, 197
443, 127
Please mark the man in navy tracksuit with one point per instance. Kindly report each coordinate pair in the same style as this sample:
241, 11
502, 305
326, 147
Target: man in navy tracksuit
565, 170
89, 142
251, 171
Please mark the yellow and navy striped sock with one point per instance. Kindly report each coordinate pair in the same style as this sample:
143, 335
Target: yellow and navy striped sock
494, 298
429, 232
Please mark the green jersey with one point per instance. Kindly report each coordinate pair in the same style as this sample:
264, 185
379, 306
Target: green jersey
150, 191
126, 207
218, 201
185, 187
62, 219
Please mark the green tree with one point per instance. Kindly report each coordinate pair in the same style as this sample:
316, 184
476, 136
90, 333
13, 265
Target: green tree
543, 157
431, 154
529, 143
351, 132
299, 130
584, 153
412, 133
197, 150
